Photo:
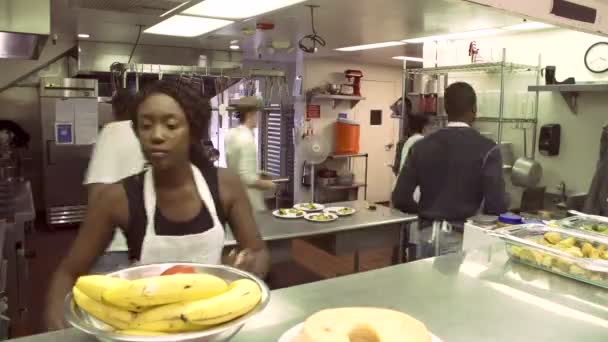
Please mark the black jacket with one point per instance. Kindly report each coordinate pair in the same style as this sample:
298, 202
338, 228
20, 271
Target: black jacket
457, 169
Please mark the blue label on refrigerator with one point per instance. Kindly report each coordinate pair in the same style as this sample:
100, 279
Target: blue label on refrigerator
64, 133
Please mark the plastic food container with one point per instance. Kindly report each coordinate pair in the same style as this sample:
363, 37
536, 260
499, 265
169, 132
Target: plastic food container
569, 257
509, 219
586, 223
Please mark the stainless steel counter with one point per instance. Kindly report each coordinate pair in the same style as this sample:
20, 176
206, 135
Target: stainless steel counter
272, 228
365, 229
480, 296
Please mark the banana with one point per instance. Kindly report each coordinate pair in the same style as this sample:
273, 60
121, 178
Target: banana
242, 296
140, 333
228, 317
115, 317
166, 312
95, 286
166, 290
168, 326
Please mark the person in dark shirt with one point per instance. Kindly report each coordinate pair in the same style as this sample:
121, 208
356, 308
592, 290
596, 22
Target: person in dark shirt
397, 163
458, 171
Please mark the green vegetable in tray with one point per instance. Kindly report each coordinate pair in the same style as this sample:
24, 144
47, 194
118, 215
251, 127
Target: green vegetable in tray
598, 228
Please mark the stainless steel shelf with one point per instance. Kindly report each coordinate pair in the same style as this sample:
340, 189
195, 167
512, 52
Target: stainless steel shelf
570, 92
343, 156
505, 120
580, 88
475, 67
338, 98
343, 187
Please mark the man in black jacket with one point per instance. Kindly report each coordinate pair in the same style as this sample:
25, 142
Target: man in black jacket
457, 170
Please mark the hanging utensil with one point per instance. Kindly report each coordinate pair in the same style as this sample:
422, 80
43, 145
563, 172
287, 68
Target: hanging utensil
526, 172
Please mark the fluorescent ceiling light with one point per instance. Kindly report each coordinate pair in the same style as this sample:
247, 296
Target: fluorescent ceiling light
407, 58
370, 46
455, 36
237, 9
234, 47
530, 25
84, 35
527, 26
186, 26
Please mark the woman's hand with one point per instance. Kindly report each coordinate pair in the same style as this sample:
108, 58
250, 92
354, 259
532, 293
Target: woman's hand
53, 317
248, 260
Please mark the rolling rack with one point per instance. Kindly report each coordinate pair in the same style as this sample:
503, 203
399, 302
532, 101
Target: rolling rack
501, 69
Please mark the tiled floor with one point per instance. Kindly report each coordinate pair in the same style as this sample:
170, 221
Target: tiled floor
312, 264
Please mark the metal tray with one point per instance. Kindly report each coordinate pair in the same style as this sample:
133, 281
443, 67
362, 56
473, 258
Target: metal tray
84, 322
521, 247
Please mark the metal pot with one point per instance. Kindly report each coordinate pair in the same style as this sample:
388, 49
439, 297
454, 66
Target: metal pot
333, 88
526, 172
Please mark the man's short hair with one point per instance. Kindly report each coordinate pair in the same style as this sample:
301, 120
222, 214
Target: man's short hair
460, 99
417, 122
122, 104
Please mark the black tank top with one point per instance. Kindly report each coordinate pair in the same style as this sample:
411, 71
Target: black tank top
136, 229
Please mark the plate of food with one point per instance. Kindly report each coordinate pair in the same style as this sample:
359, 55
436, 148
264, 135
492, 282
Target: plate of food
360, 322
341, 211
321, 217
309, 207
288, 213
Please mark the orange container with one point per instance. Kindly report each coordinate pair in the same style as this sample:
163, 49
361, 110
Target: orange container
347, 137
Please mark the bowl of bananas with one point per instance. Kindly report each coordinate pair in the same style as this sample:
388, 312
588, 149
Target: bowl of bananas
166, 302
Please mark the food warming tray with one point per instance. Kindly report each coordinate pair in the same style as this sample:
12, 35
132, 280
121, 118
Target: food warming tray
523, 245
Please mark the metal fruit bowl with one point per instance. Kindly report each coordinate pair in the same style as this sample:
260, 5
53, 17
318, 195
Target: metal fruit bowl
82, 321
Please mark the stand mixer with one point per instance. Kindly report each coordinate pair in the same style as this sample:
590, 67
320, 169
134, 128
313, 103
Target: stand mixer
354, 79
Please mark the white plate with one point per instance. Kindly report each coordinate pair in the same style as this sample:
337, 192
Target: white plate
336, 210
291, 334
301, 206
310, 217
290, 215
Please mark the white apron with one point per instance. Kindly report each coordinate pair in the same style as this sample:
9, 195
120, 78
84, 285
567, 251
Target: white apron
204, 248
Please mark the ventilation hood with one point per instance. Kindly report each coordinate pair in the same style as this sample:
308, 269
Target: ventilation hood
24, 28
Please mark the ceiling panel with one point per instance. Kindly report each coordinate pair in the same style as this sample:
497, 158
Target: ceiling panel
340, 22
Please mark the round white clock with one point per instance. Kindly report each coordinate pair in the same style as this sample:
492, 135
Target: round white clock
596, 57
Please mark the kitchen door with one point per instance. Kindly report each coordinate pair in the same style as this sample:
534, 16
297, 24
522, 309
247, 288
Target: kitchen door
379, 135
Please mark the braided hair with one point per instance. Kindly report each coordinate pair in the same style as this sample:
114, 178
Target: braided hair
196, 108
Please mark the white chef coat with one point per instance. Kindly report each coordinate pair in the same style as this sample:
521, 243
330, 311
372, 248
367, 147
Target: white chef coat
117, 154
241, 157
203, 248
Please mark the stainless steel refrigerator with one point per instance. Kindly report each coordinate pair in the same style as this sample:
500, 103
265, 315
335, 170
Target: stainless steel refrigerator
70, 122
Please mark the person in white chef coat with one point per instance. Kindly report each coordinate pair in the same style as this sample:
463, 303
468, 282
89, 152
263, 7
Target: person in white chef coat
241, 152
117, 154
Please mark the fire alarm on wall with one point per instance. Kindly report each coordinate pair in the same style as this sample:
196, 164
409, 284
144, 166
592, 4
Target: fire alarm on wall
264, 26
